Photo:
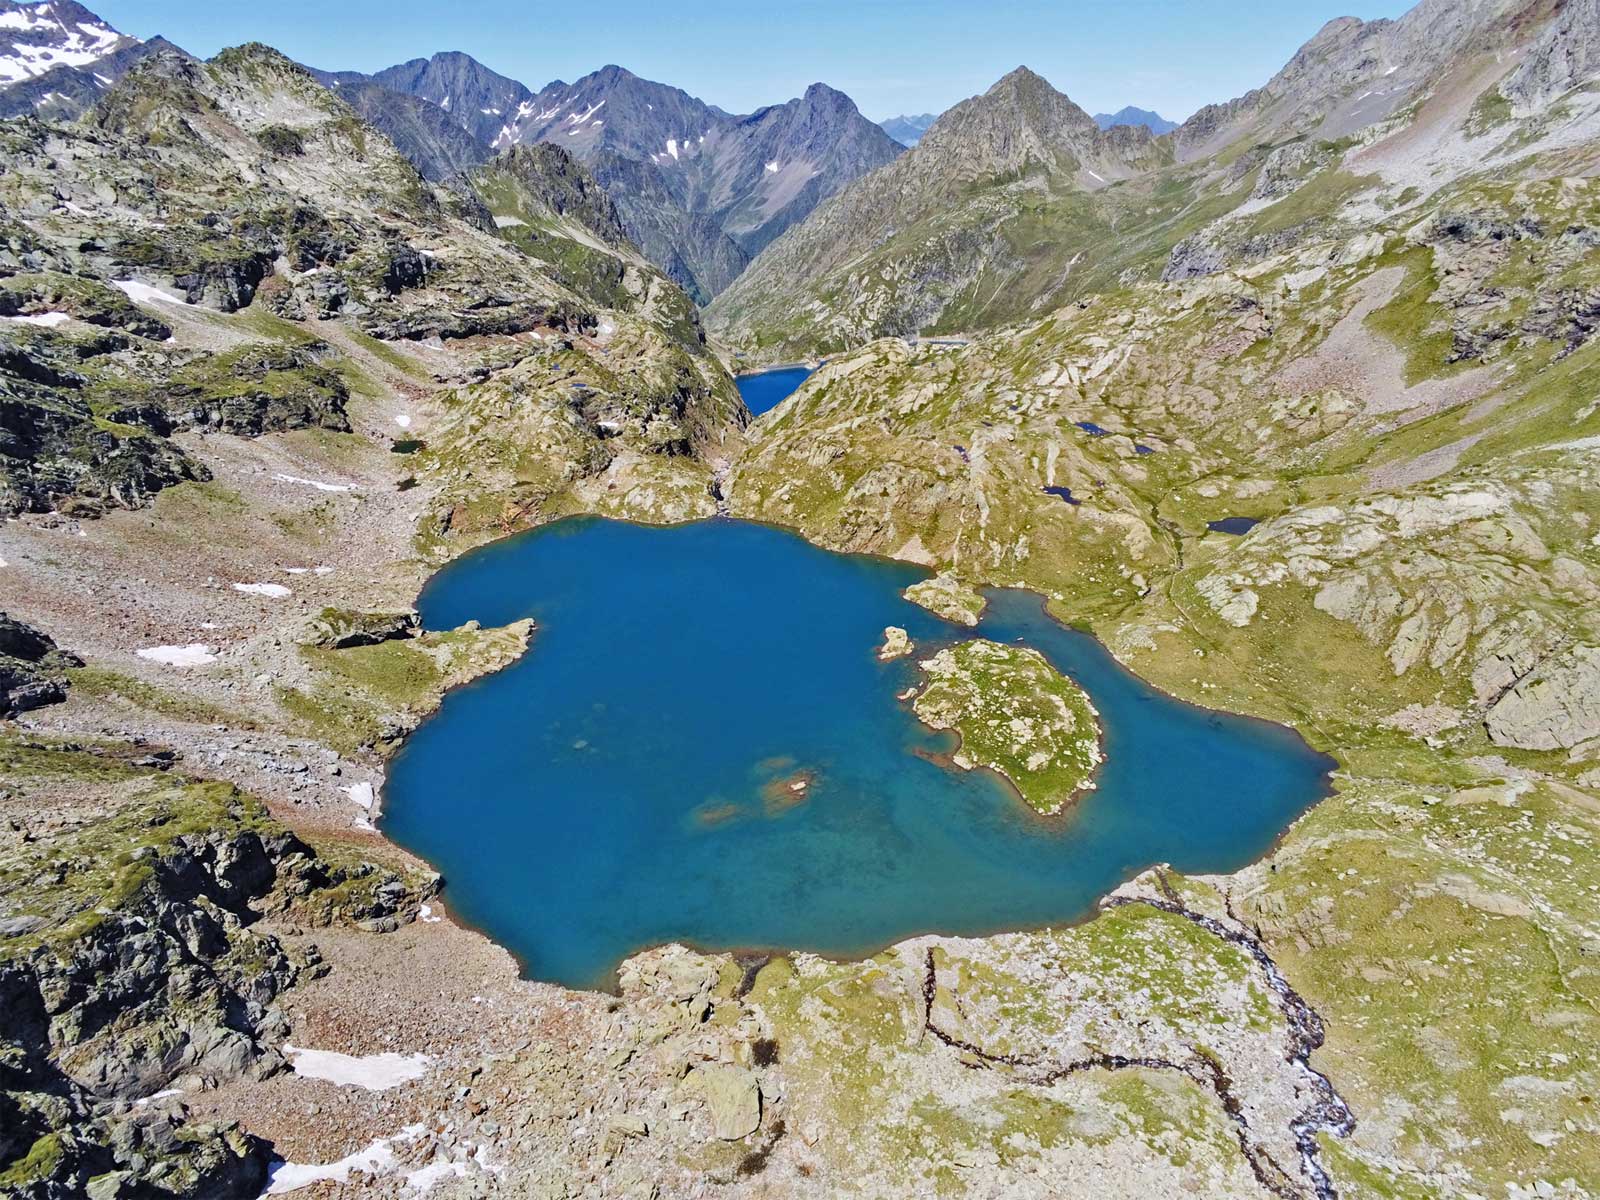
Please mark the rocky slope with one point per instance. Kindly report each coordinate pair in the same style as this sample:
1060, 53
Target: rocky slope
896, 256
425, 133
701, 192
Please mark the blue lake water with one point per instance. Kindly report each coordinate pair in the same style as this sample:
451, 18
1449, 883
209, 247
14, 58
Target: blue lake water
626, 783
765, 390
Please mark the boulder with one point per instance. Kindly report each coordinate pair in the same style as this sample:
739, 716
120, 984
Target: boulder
1555, 707
732, 1096
342, 628
32, 668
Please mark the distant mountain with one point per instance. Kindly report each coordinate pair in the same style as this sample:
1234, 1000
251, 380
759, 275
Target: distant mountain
950, 235
481, 101
908, 131
57, 59
1004, 210
433, 139
699, 190
1154, 122
36, 37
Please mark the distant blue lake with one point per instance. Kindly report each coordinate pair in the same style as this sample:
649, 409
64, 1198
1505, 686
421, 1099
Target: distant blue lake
765, 390
627, 782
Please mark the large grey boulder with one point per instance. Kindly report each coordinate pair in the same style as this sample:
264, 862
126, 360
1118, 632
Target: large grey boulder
1554, 708
732, 1097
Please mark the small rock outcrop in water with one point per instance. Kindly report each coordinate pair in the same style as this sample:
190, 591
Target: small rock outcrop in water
32, 668
896, 644
946, 596
1016, 716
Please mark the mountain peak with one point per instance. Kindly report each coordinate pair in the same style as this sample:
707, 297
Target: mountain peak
36, 38
1153, 121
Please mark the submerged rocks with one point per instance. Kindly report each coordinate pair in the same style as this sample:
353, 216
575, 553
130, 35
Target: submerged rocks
32, 668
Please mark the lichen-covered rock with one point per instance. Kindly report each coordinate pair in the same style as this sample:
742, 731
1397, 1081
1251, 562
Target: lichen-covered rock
56, 452
1017, 716
130, 961
732, 1097
947, 596
256, 389
1554, 708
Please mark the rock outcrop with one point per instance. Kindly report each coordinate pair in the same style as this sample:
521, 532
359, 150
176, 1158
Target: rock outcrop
1554, 707
1017, 716
32, 668
130, 965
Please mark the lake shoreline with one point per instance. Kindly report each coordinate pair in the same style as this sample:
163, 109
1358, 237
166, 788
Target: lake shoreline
861, 891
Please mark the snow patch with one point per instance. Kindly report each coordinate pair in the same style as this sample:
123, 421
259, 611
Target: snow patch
163, 1095
375, 1072
179, 656
49, 320
773, 167
275, 590
402, 420
672, 148
361, 794
143, 293
321, 487
423, 1178
291, 1177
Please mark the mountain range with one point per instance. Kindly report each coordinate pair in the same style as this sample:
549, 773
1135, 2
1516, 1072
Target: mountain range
1016, 201
908, 131
1152, 121
701, 191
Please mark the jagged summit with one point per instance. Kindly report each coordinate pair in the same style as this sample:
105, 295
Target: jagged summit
57, 59
36, 37
699, 189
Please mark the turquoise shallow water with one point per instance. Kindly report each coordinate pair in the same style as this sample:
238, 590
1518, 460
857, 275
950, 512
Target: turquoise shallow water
612, 790
765, 390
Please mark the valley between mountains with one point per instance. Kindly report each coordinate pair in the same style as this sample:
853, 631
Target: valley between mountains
278, 344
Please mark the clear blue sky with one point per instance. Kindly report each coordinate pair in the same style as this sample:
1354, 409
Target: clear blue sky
891, 56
